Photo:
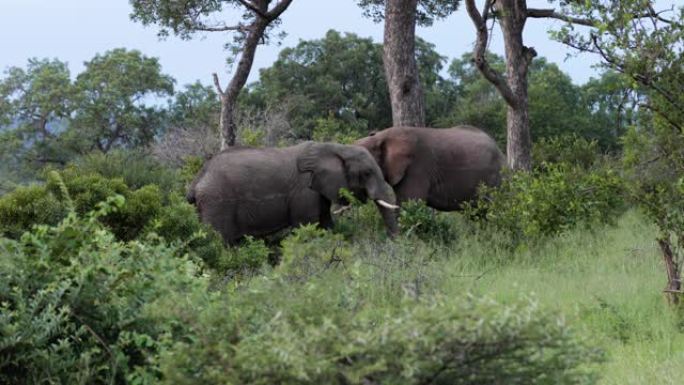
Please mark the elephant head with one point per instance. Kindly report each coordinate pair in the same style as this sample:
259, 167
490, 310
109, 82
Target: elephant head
334, 166
394, 153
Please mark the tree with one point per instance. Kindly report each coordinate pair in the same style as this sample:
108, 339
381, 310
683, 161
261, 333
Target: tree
614, 105
645, 46
334, 87
110, 106
192, 126
185, 18
512, 15
557, 107
399, 52
34, 104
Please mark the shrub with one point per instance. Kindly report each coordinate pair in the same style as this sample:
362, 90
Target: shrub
532, 205
84, 190
416, 218
338, 130
74, 304
145, 210
310, 250
135, 168
26, 206
570, 149
476, 341
251, 255
191, 167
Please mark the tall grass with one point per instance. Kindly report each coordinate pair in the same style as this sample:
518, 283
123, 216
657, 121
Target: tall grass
607, 281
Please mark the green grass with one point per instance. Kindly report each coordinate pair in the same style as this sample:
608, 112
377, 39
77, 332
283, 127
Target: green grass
607, 282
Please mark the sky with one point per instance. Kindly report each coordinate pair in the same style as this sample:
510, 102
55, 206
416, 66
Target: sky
75, 30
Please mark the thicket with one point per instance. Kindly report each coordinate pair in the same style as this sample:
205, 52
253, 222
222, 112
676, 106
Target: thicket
572, 184
151, 195
80, 306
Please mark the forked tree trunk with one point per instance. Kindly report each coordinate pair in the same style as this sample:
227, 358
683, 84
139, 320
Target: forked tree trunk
513, 87
513, 15
399, 59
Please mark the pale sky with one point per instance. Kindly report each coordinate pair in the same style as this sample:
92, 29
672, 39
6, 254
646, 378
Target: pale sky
75, 30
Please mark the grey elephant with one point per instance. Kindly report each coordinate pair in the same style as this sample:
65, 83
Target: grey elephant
443, 167
258, 191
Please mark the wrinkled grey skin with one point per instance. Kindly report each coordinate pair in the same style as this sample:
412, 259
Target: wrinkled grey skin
440, 166
258, 191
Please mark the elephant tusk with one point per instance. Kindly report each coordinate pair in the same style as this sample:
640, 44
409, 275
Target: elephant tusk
342, 209
387, 205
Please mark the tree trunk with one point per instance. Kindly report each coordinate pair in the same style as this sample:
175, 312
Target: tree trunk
674, 281
513, 14
401, 69
227, 127
513, 87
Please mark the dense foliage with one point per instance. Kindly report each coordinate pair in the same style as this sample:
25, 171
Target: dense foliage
150, 203
571, 185
108, 276
75, 303
81, 307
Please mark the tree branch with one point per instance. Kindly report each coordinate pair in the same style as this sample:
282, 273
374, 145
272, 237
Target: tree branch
252, 7
217, 84
204, 28
278, 9
480, 50
552, 14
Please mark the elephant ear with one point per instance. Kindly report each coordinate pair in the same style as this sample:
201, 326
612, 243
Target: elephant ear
326, 168
398, 152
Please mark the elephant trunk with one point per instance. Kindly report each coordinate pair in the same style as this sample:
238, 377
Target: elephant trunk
386, 203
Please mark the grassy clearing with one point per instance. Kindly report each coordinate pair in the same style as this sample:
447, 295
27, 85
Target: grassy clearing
606, 281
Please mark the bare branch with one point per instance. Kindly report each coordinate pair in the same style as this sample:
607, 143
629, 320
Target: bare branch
217, 84
480, 50
252, 7
552, 14
225, 28
278, 9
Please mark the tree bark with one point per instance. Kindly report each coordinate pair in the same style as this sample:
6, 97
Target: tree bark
227, 127
513, 14
513, 88
674, 281
254, 33
399, 59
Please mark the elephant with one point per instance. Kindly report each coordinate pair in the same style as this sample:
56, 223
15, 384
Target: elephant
443, 167
259, 191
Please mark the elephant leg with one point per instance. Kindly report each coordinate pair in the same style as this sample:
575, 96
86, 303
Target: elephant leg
310, 207
222, 218
325, 220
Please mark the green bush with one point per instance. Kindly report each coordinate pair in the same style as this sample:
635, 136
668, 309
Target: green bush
416, 218
85, 190
75, 304
135, 168
476, 341
26, 206
145, 210
333, 129
251, 255
531, 205
310, 250
569, 149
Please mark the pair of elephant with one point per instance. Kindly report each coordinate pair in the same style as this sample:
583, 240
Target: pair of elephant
251, 191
